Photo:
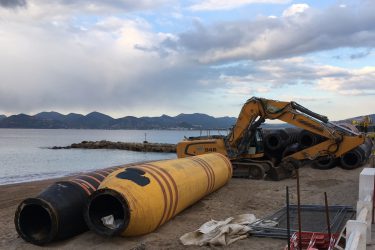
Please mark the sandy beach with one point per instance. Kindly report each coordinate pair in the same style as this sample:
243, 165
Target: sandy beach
237, 197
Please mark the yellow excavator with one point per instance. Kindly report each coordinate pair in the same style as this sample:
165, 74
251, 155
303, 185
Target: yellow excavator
244, 144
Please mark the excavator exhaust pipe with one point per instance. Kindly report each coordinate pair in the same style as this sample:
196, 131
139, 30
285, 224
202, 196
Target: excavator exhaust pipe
56, 213
137, 200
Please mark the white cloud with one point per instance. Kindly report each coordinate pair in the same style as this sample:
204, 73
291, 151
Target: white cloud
112, 65
353, 82
301, 30
270, 75
212, 5
295, 9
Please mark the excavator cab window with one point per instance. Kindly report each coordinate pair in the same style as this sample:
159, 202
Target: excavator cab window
259, 141
256, 143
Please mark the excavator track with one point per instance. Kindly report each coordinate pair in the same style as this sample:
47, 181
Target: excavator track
251, 169
264, 169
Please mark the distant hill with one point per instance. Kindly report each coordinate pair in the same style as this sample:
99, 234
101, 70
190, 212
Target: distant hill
96, 120
359, 118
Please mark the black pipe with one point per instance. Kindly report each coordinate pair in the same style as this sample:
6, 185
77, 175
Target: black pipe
307, 139
324, 163
358, 156
351, 159
106, 202
291, 149
279, 138
57, 212
276, 140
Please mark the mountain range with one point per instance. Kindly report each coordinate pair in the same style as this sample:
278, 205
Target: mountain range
96, 120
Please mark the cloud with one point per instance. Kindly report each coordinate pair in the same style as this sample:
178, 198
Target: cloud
12, 3
213, 5
120, 5
361, 54
266, 76
46, 66
60, 7
295, 9
301, 30
351, 82
61, 56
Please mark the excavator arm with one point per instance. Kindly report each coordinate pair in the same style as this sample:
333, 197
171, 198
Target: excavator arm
256, 110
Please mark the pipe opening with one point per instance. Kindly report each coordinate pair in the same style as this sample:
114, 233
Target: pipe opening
35, 223
324, 163
273, 142
351, 160
108, 213
307, 141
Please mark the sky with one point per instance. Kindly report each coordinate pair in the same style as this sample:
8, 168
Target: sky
154, 57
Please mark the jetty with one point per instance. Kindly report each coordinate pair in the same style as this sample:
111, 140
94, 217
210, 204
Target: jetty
131, 146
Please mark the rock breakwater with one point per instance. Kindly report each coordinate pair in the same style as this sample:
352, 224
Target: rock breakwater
131, 146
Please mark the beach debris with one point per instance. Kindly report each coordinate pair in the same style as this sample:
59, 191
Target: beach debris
220, 233
110, 222
145, 196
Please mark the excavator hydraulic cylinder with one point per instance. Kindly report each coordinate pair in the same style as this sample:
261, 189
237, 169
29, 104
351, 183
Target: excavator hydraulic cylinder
57, 212
137, 200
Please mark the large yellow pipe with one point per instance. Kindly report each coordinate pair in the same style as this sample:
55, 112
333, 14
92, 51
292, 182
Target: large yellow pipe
141, 198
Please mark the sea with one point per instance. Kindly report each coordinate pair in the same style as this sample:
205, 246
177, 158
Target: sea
25, 154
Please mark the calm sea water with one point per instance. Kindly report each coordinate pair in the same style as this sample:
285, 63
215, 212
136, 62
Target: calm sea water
24, 153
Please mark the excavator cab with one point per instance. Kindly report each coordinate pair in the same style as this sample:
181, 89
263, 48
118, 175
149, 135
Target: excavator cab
251, 146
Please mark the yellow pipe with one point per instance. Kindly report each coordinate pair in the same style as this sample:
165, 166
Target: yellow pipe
141, 198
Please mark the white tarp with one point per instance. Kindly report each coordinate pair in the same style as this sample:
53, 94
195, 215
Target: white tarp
220, 233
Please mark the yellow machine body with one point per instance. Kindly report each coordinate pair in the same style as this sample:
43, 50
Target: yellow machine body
155, 192
199, 147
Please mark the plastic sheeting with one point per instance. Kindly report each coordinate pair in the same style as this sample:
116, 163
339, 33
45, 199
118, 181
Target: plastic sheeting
220, 233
